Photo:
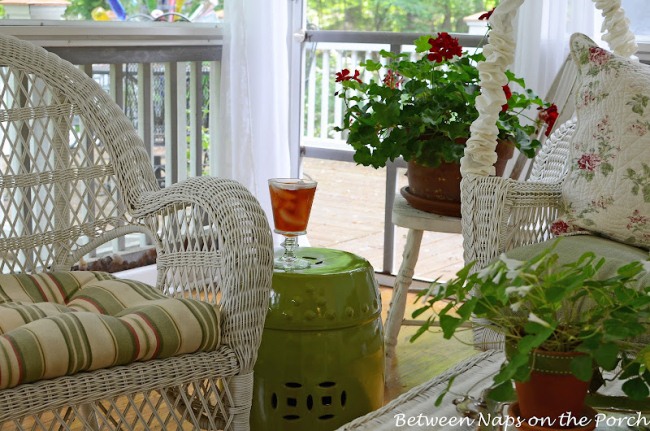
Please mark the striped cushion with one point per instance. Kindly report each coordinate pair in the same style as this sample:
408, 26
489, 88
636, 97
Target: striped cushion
113, 296
92, 321
55, 287
15, 314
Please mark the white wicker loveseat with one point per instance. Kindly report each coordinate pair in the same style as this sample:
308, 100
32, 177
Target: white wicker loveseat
502, 215
498, 213
75, 175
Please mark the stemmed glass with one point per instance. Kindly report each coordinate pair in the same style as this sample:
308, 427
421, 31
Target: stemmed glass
291, 199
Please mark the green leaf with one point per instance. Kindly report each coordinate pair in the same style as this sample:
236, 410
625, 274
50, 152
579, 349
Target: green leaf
606, 355
449, 324
516, 368
371, 65
421, 330
530, 342
416, 313
636, 389
465, 310
422, 43
643, 357
555, 293
615, 330
445, 391
502, 392
582, 367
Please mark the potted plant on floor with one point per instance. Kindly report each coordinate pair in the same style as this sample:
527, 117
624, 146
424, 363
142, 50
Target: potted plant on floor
562, 324
421, 109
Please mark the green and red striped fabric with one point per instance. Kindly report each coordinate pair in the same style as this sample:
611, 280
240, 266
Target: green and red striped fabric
56, 324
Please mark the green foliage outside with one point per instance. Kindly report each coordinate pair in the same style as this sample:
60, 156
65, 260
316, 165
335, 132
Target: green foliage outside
394, 15
362, 15
81, 9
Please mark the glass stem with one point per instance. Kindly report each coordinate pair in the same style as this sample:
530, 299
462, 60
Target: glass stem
290, 245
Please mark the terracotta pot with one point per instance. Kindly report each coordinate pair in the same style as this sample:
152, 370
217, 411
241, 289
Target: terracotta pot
552, 389
437, 190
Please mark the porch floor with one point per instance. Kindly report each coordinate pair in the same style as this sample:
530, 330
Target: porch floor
348, 214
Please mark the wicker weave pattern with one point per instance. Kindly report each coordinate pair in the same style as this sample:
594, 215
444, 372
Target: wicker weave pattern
75, 175
507, 213
500, 214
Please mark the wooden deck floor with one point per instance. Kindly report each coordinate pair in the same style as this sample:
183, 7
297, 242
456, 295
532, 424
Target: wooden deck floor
348, 214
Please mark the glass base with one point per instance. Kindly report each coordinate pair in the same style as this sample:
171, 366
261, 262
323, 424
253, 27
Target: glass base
290, 263
288, 260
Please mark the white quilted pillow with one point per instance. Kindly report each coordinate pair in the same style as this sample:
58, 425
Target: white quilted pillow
607, 190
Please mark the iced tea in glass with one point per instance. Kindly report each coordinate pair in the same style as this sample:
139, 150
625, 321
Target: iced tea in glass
291, 200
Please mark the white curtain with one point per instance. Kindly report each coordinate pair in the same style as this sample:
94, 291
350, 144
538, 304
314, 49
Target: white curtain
254, 104
543, 31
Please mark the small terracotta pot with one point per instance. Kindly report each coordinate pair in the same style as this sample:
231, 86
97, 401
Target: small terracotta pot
552, 389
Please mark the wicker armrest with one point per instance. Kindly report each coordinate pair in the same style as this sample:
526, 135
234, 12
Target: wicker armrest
213, 236
499, 214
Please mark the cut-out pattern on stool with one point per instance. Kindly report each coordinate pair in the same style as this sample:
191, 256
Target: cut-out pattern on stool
325, 400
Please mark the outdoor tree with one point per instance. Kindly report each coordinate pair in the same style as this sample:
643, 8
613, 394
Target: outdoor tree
394, 15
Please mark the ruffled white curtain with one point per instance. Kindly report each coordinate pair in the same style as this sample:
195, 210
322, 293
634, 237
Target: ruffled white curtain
254, 103
543, 31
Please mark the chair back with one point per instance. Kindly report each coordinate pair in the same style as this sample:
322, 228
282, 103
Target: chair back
71, 163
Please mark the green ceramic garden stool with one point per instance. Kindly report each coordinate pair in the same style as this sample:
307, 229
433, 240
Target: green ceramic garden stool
321, 361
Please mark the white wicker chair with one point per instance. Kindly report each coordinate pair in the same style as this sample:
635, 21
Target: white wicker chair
499, 214
75, 175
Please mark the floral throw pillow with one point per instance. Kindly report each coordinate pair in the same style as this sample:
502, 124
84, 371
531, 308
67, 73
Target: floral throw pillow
607, 190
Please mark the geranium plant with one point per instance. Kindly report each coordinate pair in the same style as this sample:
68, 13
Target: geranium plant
541, 304
422, 109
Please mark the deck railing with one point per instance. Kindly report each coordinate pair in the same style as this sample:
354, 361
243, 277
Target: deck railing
166, 76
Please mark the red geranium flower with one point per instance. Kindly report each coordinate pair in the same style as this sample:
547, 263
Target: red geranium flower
444, 47
486, 15
549, 116
508, 93
344, 75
